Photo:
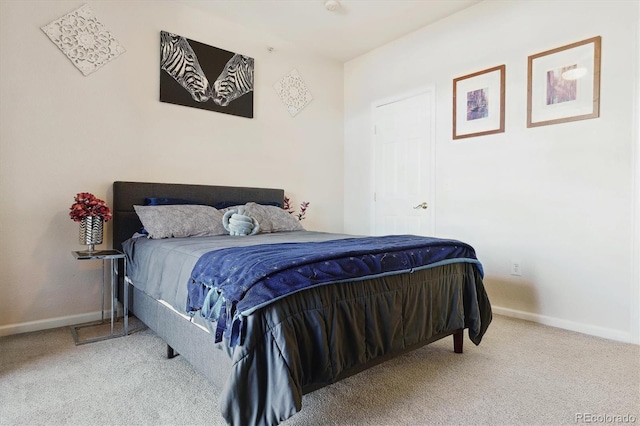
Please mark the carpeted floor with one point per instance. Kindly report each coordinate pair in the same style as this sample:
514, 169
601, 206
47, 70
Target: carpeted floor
521, 374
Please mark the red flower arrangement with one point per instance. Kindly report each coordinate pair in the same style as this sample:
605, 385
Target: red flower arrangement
87, 204
303, 208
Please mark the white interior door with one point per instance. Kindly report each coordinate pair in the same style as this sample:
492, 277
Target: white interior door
403, 169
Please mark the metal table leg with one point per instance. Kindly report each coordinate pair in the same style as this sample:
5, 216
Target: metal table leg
112, 256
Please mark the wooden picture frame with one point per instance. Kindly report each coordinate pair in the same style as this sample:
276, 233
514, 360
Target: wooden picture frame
478, 103
563, 84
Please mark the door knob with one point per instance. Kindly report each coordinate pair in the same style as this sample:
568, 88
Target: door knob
424, 205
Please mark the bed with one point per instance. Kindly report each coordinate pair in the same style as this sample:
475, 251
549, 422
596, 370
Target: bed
266, 357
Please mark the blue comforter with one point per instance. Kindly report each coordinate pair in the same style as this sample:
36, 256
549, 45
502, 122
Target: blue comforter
229, 283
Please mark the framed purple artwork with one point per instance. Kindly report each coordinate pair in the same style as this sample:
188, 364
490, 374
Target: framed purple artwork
563, 84
478, 103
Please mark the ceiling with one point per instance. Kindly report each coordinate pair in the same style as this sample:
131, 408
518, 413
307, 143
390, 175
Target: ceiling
352, 29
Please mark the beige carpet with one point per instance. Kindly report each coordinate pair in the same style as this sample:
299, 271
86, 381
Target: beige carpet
521, 374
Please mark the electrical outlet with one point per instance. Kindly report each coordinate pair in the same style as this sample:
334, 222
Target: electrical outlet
516, 268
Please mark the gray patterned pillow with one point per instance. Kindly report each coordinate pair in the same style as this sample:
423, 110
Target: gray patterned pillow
273, 218
176, 221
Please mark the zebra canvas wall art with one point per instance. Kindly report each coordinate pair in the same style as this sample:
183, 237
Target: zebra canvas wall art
206, 77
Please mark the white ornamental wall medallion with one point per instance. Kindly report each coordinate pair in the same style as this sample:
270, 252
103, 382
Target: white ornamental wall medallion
293, 92
84, 40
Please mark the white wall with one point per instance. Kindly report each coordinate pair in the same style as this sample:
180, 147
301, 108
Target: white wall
63, 133
558, 198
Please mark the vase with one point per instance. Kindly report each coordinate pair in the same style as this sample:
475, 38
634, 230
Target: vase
91, 232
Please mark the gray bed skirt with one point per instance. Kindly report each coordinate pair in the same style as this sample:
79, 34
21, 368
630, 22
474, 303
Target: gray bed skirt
187, 339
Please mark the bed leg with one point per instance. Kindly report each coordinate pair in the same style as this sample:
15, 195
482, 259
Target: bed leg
171, 353
458, 338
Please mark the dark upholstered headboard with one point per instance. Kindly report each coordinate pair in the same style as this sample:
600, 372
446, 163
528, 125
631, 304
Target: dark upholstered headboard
128, 194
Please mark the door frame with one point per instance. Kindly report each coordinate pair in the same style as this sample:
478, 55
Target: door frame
431, 198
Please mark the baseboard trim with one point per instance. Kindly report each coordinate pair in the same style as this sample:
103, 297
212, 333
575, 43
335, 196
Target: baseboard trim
606, 333
27, 327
